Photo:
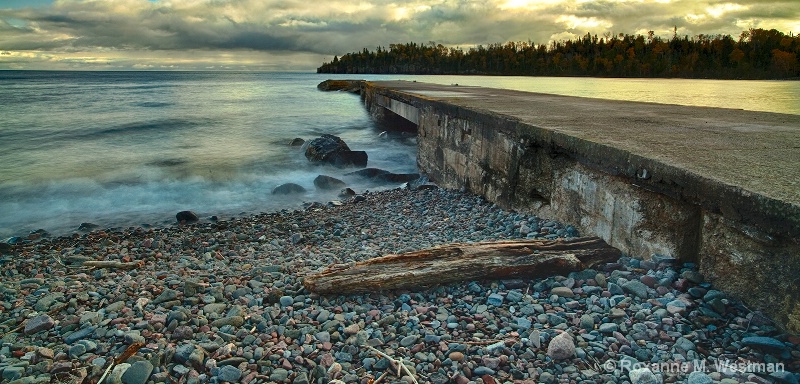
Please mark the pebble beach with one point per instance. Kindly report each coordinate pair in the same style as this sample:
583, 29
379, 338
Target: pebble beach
223, 301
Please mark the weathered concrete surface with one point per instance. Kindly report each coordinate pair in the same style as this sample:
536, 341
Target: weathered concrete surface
718, 186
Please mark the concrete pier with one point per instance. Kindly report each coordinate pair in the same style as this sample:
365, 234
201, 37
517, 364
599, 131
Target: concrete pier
720, 187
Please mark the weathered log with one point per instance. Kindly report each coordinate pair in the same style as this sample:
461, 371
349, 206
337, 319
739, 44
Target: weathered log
112, 264
463, 262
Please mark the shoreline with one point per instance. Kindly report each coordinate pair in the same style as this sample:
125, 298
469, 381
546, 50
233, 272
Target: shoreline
224, 301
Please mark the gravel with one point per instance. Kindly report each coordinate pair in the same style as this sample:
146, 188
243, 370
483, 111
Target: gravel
224, 302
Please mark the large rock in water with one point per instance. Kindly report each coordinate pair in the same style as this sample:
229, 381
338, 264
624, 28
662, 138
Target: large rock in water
327, 183
288, 189
383, 176
320, 149
186, 217
333, 150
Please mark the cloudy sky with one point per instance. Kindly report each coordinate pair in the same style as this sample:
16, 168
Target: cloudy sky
301, 34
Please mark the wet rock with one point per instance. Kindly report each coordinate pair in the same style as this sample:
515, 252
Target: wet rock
186, 217
345, 159
346, 192
368, 173
288, 189
327, 182
296, 142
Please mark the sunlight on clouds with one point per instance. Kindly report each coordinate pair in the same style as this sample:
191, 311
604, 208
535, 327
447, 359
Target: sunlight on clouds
695, 18
721, 9
528, 4
403, 13
576, 22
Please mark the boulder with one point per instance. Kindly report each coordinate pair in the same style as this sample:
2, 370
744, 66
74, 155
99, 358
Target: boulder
85, 227
346, 192
186, 217
345, 159
296, 142
288, 189
397, 177
320, 149
421, 183
333, 150
368, 173
327, 183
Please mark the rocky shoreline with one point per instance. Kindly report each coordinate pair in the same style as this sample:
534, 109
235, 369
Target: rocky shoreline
224, 302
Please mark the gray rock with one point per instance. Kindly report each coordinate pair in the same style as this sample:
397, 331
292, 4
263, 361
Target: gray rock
494, 299
115, 377
279, 375
562, 292
38, 324
231, 374
166, 295
13, 373
46, 302
698, 377
480, 371
608, 328
186, 217
785, 377
643, 376
636, 288
79, 334
685, 344
615, 289
676, 306
182, 353
409, 340
288, 189
301, 378
763, 342
693, 276
587, 322
76, 350
514, 296
561, 347
138, 373
286, 301
235, 321
328, 183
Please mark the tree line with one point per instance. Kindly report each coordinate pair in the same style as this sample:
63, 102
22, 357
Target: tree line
756, 54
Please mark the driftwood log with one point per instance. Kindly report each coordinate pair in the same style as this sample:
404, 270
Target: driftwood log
463, 262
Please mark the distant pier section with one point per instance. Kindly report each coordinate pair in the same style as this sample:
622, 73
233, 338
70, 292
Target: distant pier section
720, 187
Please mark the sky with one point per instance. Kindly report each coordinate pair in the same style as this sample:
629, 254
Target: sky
299, 35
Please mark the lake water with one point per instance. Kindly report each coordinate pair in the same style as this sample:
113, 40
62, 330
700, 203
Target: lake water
132, 148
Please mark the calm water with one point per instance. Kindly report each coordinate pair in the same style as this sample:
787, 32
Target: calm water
127, 148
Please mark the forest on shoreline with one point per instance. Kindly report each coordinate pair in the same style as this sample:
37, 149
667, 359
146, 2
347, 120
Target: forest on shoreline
756, 54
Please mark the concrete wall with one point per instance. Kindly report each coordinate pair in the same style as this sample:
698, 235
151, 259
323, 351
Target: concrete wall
528, 169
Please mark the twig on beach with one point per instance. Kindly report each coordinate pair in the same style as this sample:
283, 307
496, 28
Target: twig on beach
130, 351
399, 362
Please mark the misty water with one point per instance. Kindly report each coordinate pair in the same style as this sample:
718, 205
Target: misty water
131, 148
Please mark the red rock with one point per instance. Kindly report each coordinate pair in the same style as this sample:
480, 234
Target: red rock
648, 280
456, 356
61, 367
